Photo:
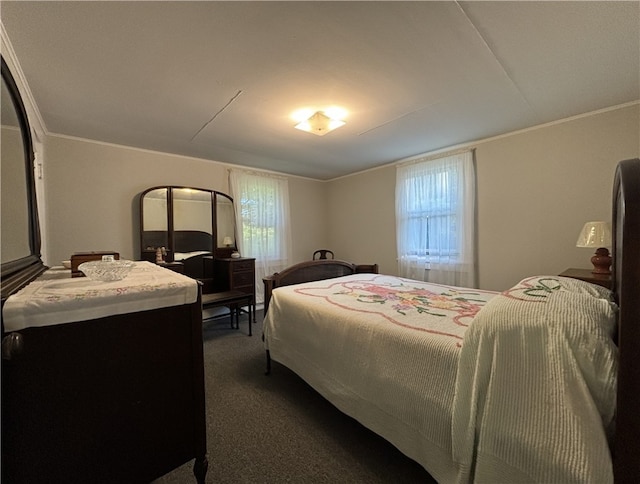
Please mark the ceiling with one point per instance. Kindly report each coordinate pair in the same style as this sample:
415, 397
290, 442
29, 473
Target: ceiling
219, 80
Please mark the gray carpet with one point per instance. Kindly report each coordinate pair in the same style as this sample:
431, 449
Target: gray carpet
276, 429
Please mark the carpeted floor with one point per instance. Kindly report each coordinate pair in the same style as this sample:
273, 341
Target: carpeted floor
273, 429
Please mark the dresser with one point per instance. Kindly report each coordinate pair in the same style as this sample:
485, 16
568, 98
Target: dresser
236, 274
106, 384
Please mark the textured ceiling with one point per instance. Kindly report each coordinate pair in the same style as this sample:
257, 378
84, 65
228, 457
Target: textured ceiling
219, 80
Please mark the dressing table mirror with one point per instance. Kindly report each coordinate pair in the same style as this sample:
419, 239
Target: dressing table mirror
20, 234
225, 221
192, 227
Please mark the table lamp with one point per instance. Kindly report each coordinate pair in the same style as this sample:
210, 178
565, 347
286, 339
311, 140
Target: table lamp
227, 241
597, 234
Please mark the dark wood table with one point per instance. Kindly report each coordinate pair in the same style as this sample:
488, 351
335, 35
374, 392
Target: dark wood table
603, 280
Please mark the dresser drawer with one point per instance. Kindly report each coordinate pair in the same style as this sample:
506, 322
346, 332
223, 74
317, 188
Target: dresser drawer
240, 279
242, 266
234, 275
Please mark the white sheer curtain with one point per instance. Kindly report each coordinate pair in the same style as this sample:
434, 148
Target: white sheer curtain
261, 203
435, 217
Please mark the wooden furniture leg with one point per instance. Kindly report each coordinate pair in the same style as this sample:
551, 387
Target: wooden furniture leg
200, 467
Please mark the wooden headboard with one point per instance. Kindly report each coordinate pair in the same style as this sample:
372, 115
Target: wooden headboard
313, 270
626, 287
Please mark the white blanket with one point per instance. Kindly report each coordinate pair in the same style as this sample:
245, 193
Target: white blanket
536, 386
384, 350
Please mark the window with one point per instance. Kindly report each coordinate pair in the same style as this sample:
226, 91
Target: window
435, 217
262, 216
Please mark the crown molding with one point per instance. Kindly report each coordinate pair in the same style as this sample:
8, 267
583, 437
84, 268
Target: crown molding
9, 55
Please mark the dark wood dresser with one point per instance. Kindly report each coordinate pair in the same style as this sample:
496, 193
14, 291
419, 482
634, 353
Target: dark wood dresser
119, 398
237, 274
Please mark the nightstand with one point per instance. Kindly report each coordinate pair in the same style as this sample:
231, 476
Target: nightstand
603, 280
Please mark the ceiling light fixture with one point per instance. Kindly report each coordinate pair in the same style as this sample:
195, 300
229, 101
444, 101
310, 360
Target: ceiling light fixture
319, 123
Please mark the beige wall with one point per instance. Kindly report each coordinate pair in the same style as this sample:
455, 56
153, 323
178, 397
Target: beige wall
535, 191
93, 188
362, 226
309, 223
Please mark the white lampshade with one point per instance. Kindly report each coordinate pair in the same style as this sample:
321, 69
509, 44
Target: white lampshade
595, 234
227, 241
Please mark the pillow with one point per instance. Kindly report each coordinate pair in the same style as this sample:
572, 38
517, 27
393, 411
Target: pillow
543, 284
581, 314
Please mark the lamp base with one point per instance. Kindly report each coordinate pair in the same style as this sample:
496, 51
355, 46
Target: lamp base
601, 261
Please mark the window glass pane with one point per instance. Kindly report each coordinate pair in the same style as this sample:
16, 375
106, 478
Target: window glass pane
435, 219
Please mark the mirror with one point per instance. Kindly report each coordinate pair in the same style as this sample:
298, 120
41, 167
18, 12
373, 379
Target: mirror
192, 230
15, 216
192, 222
20, 239
155, 228
226, 221
195, 226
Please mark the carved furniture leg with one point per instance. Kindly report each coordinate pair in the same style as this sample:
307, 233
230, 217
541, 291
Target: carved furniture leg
268, 372
200, 469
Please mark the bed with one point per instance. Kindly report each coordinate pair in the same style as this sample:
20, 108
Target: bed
534, 384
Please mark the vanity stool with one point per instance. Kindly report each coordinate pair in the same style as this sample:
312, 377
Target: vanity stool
234, 300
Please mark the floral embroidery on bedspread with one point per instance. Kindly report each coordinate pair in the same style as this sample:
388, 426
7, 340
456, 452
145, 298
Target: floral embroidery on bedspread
431, 308
534, 289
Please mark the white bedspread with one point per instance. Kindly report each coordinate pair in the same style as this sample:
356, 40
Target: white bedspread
526, 394
536, 386
52, 299
384, 350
